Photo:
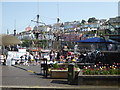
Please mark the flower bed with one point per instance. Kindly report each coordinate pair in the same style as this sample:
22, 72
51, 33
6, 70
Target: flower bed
100, 74
61, 70
104, 69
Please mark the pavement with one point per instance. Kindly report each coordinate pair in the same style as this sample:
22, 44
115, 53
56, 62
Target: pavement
32, 68
28, 77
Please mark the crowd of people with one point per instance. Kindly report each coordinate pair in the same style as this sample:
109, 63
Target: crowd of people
29, 59
65, 56
59, 56
53, 56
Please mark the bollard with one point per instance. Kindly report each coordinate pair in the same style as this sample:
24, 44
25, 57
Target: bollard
71, 73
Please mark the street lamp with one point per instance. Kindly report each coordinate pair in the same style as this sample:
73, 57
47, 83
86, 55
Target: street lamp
14, 32
62, 34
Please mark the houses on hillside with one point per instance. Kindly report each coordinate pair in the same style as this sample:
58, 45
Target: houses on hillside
72, 31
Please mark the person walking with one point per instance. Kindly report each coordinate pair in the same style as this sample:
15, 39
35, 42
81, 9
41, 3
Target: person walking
36, 59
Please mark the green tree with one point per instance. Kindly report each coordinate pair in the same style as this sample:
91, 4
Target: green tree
42, 43
83, 22
26, 43
92, 20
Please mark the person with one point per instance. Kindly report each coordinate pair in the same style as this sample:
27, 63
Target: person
2, 59
30, 58
4, 52
69, 53
73, 59
75, 48
21, 59
110, 47
62, 59
36, 59
26, 59
9, 58
81, 57
65, 50
4, 56
52, 55
58, 55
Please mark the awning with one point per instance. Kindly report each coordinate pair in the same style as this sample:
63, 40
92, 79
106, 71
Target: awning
8, 40
96, 40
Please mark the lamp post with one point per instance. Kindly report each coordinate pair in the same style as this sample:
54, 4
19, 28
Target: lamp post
62, 34
14, 32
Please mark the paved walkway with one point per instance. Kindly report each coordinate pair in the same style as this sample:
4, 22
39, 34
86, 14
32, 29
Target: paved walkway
17, 76
31, 68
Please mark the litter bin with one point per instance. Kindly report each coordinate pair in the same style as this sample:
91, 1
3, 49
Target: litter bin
45, 67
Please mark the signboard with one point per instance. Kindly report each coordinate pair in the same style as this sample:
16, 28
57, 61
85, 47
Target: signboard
21, 50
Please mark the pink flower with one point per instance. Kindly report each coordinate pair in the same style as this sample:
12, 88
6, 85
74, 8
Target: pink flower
114, 63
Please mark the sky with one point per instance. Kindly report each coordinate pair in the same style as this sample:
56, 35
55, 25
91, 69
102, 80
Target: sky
18, 15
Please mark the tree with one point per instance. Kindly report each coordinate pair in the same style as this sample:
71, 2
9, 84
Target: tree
92, 20
26, 43
42, 43
83, 21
